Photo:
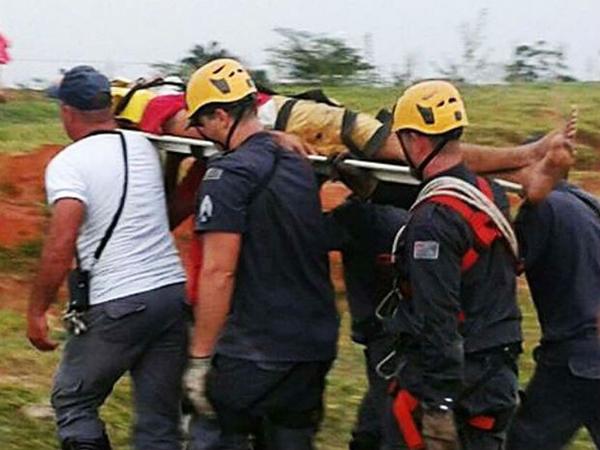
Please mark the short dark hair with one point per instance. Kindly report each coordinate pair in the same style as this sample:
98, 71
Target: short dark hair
243, 107
452, 135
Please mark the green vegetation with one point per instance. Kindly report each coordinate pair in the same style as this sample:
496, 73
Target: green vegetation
20, 258
25, 380
27, 121
499, 114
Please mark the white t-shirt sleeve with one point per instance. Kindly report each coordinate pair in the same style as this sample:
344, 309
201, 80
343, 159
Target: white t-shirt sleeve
63, 180
267, 114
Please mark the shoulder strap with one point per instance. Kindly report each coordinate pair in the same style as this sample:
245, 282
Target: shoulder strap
283, 115
117, 215
268, 177
483, 227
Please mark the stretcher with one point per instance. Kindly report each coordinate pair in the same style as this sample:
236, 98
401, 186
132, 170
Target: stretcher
381, 171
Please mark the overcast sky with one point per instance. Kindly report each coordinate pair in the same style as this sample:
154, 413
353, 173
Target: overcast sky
120, 36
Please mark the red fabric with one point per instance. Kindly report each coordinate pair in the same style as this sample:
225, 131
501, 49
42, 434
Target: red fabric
482, 422
193, 266
262, 98
4, 44
186, 191
384, 259
485, 187
159, 110
404, 405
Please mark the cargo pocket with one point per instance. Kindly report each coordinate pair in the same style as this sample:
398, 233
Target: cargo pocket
122, 321
585, 367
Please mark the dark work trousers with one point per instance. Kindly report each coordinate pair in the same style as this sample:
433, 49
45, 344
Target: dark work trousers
491, 391
264, 405
487, 393
556, 404
143, 334
367, 433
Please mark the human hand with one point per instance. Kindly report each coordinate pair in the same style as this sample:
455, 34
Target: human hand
360, 181
294, 143
37, 331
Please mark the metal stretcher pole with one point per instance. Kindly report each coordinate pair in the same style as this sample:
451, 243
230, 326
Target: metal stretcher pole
384, 172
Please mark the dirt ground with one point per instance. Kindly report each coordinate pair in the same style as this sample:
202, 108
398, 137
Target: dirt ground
22, 196
23, 217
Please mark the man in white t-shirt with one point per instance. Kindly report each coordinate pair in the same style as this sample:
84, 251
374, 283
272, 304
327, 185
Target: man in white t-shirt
135, 318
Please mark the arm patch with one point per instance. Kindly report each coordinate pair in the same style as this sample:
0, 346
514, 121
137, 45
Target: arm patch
426, 250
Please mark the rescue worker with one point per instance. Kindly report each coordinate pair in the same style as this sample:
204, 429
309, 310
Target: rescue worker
560, 242
266, 325
459, 318
364, 233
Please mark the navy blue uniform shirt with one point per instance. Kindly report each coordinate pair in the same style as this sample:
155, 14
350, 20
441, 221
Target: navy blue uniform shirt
364, 233
560, 243
283, 304
434, 242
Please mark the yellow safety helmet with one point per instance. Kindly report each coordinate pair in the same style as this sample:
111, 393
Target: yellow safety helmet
220, 81
134, 109
121, 82
430, 107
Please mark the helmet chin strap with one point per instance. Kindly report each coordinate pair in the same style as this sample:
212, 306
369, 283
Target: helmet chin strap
417, 171
225, 145
236, 122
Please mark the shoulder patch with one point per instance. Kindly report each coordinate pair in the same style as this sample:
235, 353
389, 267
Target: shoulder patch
426, 250
212, 174
206, 209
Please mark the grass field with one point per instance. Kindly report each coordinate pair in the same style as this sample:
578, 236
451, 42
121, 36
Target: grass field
499, 115
27, 121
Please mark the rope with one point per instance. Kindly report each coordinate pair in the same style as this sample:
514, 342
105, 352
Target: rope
469, 194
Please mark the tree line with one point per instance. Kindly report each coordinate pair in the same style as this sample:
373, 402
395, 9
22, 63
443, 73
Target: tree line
304, 57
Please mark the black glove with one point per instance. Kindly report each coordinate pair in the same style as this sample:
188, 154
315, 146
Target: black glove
360, 181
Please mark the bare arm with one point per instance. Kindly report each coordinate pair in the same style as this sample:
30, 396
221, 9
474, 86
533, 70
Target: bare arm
57, 256
485, 159
215, 289
479, 158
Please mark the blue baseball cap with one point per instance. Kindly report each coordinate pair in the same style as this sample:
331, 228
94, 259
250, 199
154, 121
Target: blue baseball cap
84, 88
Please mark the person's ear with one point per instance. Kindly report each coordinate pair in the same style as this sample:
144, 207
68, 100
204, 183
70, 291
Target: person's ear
223, 117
